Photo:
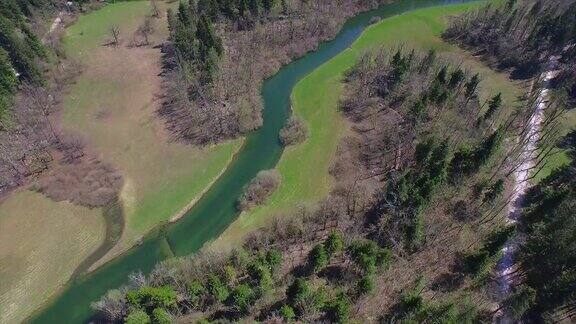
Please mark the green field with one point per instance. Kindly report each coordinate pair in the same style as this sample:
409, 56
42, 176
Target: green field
304, 168
113, 108
42, 244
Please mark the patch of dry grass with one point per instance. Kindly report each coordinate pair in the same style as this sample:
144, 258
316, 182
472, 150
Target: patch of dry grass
42, 244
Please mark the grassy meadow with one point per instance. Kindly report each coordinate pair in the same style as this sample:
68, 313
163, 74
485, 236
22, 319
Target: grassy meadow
42, 244
305, 168
113, 108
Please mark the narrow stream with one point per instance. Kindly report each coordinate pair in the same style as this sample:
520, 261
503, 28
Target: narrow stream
216, 209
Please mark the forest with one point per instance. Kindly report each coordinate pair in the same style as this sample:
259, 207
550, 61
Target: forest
323, 262
425, 178
530, 39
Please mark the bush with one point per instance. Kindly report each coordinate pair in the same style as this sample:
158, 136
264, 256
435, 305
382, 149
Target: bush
287, 313
365, 285
295, 131
195, 292
217, 289
369, 256
161, 316
259, 189
138, 317
242, 297
338, 310
152, 297
298, 291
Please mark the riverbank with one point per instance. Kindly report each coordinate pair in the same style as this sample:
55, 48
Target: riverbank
306, 168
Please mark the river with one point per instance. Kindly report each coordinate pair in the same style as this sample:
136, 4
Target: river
216, 209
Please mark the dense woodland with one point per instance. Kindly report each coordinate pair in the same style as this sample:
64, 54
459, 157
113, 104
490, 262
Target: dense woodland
530, 38
220, 51
400, 204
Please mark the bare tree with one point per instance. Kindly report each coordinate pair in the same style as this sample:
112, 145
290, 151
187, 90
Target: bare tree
115, 33
145, 30
155, 10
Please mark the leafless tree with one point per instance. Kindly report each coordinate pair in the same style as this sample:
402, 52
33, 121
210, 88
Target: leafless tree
115, 34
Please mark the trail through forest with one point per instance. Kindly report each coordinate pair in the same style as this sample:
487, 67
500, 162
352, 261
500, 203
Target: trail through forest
522, 180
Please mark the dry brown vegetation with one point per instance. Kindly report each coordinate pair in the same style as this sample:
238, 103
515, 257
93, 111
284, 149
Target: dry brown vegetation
259, 189
230, 105
295, 131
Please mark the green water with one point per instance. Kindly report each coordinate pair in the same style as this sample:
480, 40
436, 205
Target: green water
216, 209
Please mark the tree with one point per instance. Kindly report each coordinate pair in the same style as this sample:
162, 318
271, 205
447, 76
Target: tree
520, 301
335, 243
287, 313
196, 291
146, 30
294, 132
242, 297
338, 310
155, 10
114, 31
217, 289
152, 297
138, 317
318, 258
365, 285
493, 105
298, 291
161, 316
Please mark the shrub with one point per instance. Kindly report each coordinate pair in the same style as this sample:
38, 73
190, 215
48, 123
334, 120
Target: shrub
195, 292
299, 290
138, 317
365, 285
338, 310
318, 258
287, 313
259, 189
152, 297
161, 316
242, 297
369, 256
217, 289
294, 132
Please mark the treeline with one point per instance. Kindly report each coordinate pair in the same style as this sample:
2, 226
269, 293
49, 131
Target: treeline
221, 50
21, 52
381, 243
548, 256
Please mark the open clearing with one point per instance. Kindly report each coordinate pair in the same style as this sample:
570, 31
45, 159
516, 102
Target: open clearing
112, 107
305, 168
42, 244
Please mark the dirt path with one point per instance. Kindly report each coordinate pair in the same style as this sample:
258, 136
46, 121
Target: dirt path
522, 175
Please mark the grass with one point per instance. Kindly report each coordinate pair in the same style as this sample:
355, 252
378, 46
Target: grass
113, 108
42, 244
559, 156
305, 168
